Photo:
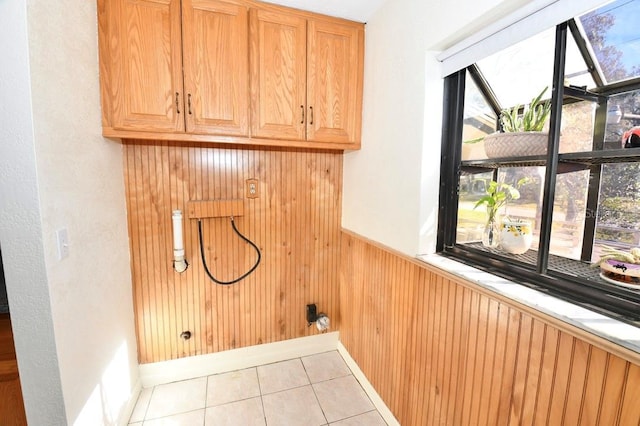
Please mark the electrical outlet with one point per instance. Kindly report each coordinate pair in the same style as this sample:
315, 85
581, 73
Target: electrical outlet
312, 313
63, 243
252, 188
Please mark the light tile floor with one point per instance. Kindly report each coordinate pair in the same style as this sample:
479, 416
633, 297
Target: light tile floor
310, 391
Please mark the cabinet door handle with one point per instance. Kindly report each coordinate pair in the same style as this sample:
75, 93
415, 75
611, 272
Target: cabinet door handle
302, 111
177, 102
189, 103
311, 115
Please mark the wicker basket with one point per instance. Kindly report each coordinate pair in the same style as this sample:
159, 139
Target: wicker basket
516, 144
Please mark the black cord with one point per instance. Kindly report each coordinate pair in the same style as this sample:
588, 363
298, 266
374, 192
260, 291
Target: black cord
204, 261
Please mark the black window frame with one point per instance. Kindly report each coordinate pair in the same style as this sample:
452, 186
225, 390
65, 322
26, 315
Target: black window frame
577, 287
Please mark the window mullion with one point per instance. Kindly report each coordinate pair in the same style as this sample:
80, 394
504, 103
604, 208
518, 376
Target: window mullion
451, 149
590, 221
593, 189
552, 149
587, 53
485, 89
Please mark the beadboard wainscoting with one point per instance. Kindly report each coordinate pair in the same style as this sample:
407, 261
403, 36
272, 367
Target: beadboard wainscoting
439, 350
295, 221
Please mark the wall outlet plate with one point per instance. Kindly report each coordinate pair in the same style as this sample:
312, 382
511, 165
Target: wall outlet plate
252, 188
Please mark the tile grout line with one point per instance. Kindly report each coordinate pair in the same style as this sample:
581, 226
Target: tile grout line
206, 395
264, 412
350, 374
314, 393
368, 388
146, 409
361, 414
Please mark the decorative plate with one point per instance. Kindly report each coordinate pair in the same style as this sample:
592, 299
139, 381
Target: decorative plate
621, 273
620, 283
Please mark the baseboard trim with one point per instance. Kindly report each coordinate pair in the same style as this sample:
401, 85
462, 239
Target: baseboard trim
382, 408
158, 373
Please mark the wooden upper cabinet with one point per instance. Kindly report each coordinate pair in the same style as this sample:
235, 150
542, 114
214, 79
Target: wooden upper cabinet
229, 71
146, 65
334, 82
216, 67
278, 75
171, 66
306, 78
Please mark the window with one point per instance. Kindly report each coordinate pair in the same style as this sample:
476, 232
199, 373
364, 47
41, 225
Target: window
581, 194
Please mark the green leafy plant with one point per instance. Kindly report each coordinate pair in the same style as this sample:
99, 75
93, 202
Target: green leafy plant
532, 120
498, 194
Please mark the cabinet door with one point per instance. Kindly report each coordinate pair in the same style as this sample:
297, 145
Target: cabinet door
216, 67
147, 65
334, 85
278, 75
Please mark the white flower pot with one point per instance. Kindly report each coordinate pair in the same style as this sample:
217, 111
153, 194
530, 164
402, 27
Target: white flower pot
516, 236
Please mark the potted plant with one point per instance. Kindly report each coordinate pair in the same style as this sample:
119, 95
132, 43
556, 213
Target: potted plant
498, 194
522, 135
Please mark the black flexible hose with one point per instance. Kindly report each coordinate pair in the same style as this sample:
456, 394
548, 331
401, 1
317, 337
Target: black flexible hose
204, 261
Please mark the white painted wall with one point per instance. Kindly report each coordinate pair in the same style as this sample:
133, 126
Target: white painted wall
21, 228
58, 172
391, 184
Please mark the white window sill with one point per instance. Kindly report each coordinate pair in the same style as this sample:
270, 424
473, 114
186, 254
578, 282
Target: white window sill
610, 329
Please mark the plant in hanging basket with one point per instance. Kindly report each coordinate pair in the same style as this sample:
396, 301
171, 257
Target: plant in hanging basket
522, 135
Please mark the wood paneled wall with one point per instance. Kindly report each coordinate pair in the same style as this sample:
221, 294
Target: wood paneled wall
442, 353
295, 222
